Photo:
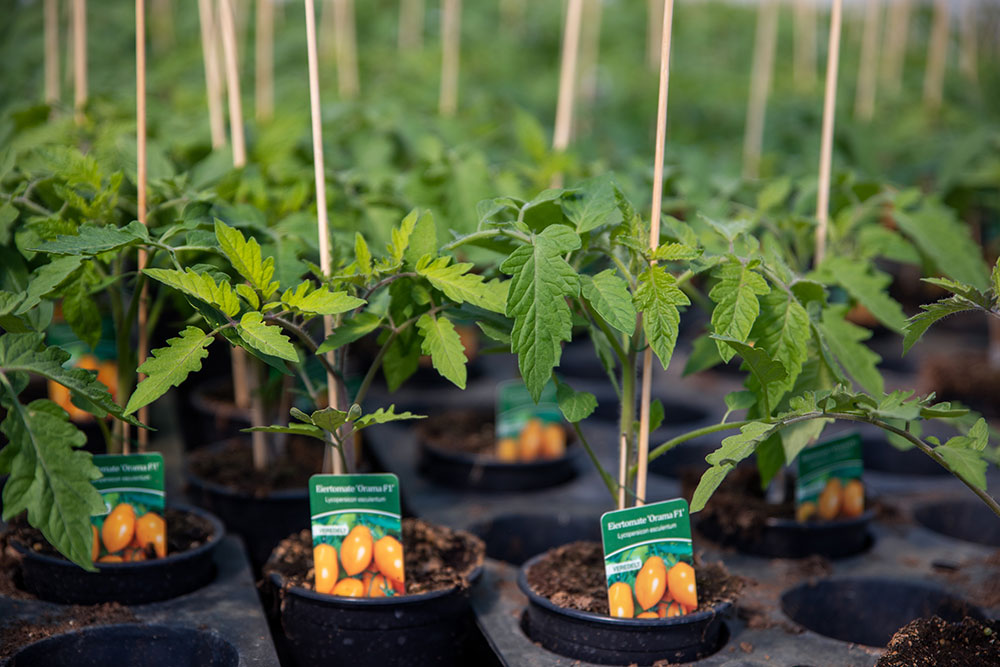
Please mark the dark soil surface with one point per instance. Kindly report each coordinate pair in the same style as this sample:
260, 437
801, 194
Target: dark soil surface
964, 375
738, 506
435, 557
462, 431
21, 633
933, 642
572, 576
232, 466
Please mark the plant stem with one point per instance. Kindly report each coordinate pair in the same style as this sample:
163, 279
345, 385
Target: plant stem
605, 475
485, 234
303, 335
625, 424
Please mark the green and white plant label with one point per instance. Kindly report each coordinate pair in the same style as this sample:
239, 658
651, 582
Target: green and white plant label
829, 482
527, 431
649, 560
132, 527
357, 535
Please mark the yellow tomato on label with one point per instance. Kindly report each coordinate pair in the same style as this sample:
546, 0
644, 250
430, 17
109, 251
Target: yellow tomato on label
356, 551
805, 511
829, 499
651, 582
349, 588
118, 528
553, 441
648, 614
853, 503
132, 555
530, 443
325, 564
379, 587
150, 528
95, 546
110, 559
507, 450
389, 558
620, 600
680, 580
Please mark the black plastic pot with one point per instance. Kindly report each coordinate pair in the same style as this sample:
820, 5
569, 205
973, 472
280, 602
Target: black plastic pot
208, 418
515, 538
58, 580
968, 520
479, 473
620, 641
436, 628
787, 538
262, 521
130, 645
869, 611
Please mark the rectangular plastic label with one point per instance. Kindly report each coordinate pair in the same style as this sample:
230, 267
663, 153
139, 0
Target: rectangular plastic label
131, 527
829, 484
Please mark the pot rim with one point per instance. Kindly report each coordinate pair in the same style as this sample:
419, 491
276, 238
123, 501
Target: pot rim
218, 533
192, 479
864, 518
635, 623
488, 463
278, 580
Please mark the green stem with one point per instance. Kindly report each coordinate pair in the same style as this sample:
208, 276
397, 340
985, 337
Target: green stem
609, 481
303, 336
485, 234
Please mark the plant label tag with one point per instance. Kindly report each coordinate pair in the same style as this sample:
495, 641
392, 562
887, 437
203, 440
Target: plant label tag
648, 560
527, 431
357, 535
132, 526
829, 482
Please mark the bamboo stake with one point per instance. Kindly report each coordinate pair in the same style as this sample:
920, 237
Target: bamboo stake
765, 43
213, 77
140, 138
567, 81
622, 470
347, 51
51, 13
321, 213
826, 144
654, 32
937, 56
228, 29
654, 241
451, 37
264, 61
804, 66
864, 98
411, 25
967, 54
79, 57
897, 32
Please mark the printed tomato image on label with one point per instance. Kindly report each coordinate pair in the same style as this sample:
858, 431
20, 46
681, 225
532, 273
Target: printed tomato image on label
829, 484
525, 430
132, 527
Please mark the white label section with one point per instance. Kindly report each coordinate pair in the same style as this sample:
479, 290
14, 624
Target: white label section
336, 530
627, 566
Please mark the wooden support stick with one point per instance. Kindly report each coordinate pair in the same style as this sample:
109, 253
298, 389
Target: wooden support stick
937, 56
347, 50
826, 142
896, 33
213, 77
228, 29
319, 173
654, 241
51, 51
804, 66
79, 57
264, 61
140, 139
411, 25
451, 39
864, 98
654, 32
567, 82
968, 28
765, 42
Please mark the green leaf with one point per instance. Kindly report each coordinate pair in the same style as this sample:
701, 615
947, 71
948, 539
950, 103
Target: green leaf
401, 359
656, 414
8, 214
729, 229
45, 279
350, 330
362, 255
996, 279
868, 286
704, 355
248, 295
494, 332
796, 437
734, 449
82, 314
592, 204
917, 325
976, 439
320, 301
669, 252
845, 341
245, 256
461, 286
961, 289
169, 366
657, 297
49, 476
308, 430
541, 281
770, 459
765, 370
968, 464
444, 345
383, 416
264, 338
608, 295
782, 329
94, 240
9, 302
422, 240
940, 235
735, 296
328, 419
574, 405
773, 194
200, 286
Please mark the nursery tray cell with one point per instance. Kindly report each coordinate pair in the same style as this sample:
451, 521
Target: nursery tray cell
968, 520
514, 538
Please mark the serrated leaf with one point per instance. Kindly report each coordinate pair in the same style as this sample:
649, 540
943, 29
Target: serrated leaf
350, 330
401, 359
45, 279
943, 410
94, 240
669, 252
766, 371
592, 204
82, 314
248, 295
49, 476
383, 416
574, 405
782, 328
362, 255
968, 464
961, 289
461, 286
444, 345
995, 275
308, 430
541, 281
320, 301
736, 304
704, 355
200, 286
734, 449
729, 229
868, 286
940, 235
917, 325
608, 295
9, 302
657, 297
976, 439
796, 437
245, 256
422, 240
169, 366
328, 419
264, 338
773, 194
770, 459
844, 340
494, 332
